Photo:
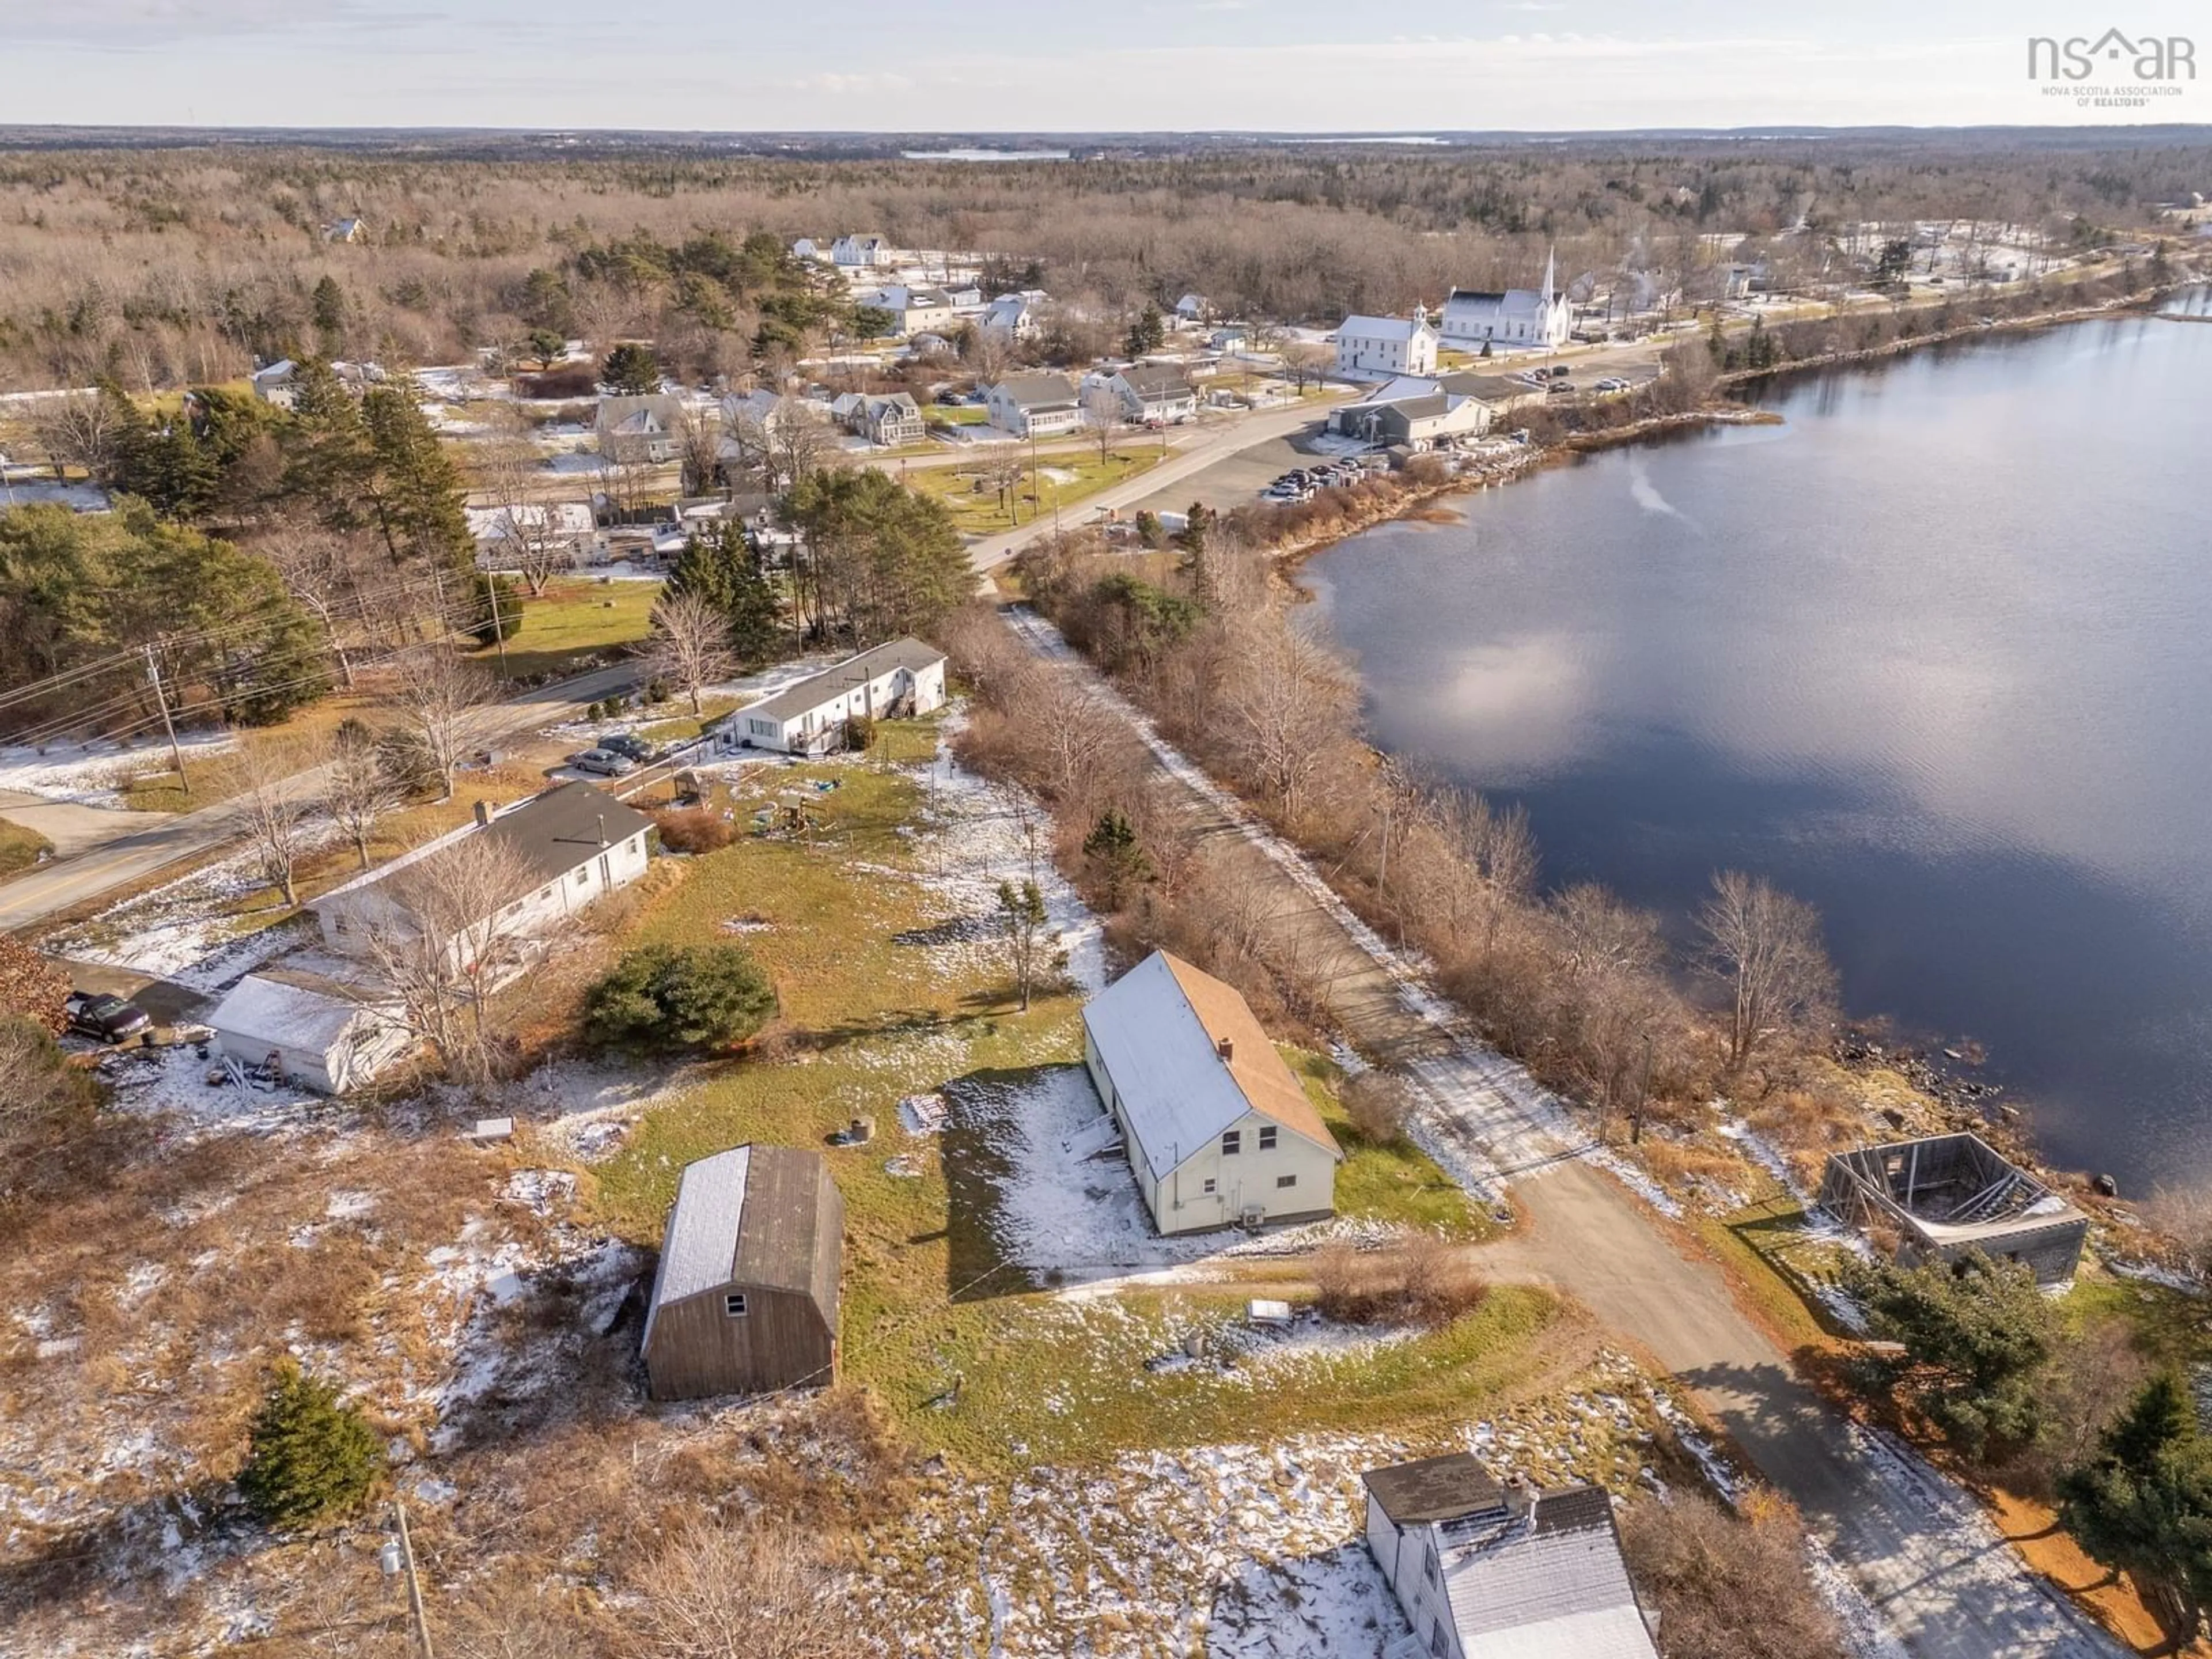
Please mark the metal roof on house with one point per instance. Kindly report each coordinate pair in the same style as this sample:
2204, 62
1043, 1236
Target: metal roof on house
1380, 328
809, 695
1548, 1584
1156, 380
753, 1216
1160, 1029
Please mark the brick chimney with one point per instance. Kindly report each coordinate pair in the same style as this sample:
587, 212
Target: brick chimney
1226, 1048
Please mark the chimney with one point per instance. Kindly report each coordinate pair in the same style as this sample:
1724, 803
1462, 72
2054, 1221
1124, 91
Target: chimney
1520, 1497
1226, 1048
484, 813
603, 829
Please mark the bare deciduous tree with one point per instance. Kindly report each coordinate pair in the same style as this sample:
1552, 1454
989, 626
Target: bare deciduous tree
1289, 698
531, 541
1003, 468
275, 809
700, 432
443, 934
80, 429
1102, 418
320, 569
435, 690
1765, 947
689, 644
742, 1592
358, 794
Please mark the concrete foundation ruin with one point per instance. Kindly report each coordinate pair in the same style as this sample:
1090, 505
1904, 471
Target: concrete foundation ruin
1948, 1195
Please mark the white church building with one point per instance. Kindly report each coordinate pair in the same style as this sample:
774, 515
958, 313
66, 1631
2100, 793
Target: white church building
1525, 320
1371, 346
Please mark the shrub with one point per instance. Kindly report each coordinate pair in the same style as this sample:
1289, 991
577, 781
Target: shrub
1421, 1282
661, 998
31, 987
1379, 1104
1727, 1586
312, 1456
860, 733
492, 596
694, 829
40, 1089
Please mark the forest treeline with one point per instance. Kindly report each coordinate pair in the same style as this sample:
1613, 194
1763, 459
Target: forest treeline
170, 268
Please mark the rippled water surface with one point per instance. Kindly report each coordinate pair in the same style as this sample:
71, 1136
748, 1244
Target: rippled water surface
1937, 654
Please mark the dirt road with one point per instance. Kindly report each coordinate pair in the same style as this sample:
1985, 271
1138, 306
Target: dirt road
57, 886
1929, 1566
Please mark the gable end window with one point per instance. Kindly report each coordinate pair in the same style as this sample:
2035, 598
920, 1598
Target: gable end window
734, 1304
583, 874
1267, 1138
1232, 1142
1286, 1181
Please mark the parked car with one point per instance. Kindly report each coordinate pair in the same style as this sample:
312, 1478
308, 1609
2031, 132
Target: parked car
102, 1015
1558, 370
631, 746
605, 761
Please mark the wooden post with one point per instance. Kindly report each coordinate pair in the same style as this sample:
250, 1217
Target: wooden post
176, 754
414, 1582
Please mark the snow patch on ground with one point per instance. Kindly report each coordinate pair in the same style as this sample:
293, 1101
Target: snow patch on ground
94, 773
187, 931
175, 1081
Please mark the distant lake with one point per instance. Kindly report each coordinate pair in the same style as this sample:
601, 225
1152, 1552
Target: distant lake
1936, 654
985, 154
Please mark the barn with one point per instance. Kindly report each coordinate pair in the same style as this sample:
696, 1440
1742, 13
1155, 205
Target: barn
325, 1034
745, 1298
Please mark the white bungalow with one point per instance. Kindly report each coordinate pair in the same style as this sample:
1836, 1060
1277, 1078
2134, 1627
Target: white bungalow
1035, 406
888, 682
1219, 1132
1525, 319
278, 385
1387, 345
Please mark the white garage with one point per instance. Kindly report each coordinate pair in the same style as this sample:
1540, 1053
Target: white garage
324, 1033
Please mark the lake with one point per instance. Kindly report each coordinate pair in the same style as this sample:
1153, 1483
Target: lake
1936, 654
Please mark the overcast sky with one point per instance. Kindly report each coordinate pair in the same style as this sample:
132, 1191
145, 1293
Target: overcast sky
1050, 66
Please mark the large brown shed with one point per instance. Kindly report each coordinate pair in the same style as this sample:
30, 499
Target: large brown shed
745, 1298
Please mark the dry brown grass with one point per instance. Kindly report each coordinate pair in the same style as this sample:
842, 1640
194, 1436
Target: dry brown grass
1425, 1282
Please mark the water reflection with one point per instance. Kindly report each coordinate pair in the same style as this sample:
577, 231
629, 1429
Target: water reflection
1932, 653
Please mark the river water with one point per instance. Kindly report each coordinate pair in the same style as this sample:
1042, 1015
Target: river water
1935, 653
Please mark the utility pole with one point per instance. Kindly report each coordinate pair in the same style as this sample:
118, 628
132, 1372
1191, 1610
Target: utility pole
399, 1558
176, 754
498, 632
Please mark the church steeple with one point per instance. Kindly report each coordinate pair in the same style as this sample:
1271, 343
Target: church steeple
1551, 273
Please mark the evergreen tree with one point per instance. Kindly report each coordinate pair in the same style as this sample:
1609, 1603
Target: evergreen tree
2143, 1504
1022, 912
1148, 333
312, 1456
722, 568
666, 999
493, 611
329, 306
1980, 1336
328, 455
413, 488
631, 370
1115, 856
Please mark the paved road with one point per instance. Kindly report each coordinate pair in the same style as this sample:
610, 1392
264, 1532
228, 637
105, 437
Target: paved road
1214, 444
1918, 1550
71, 826
55, 887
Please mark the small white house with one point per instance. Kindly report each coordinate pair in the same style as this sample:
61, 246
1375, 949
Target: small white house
1194, 308
1155, 394
1485, 1572
321, 1032
1035, 406
911, 310
807, 248
888, 682
278, 385
860, 252
1387, 345
648, 428
509, 538
1013, 316
1218, 1130
575, 844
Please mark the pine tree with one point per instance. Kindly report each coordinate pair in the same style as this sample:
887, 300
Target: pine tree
312, 1455
1022, 909
329, 304
2143, 1504
631, 369
1117, 856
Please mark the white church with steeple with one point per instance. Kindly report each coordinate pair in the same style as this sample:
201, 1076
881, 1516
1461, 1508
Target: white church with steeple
1523, 318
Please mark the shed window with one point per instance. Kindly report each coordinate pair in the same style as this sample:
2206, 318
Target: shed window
1429, 1564
1286, 1181
1438, 1646
1232, 1142
1267, 1138
734, 1304
583, 874
1209, 1183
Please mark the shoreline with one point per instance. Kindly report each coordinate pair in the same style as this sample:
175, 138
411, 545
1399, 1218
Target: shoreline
1961, 1093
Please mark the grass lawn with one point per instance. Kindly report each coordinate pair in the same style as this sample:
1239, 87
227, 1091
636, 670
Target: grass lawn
575, 619
960, 1348
957, 415
20, 848
1394, 1182
1765, 1246
158, 790
977, 511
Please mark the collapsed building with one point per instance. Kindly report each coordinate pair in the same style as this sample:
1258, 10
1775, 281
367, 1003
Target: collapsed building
1947, 1194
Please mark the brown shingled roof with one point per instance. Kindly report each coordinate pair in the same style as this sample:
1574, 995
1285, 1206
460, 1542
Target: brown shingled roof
1269, 1084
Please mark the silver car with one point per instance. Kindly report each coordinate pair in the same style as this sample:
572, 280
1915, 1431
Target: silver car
605, 761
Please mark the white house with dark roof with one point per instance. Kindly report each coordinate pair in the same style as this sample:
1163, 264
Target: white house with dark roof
1016, 316
860, 252
1156, 394
1526, 318
1218, 1130
1485, 1572
1387, 345
1035, 406
911, 310
648, 428
904, 678
575, 843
